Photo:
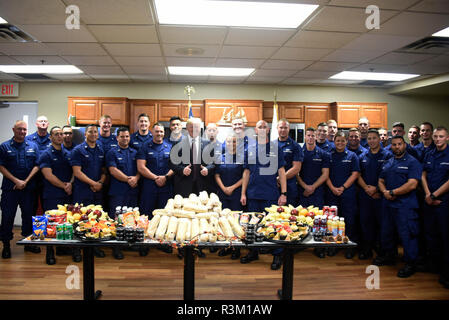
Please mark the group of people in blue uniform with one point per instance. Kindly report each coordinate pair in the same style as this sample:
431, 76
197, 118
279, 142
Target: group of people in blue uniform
388, 191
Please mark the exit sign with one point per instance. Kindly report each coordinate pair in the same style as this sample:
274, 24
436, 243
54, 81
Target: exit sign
9, 89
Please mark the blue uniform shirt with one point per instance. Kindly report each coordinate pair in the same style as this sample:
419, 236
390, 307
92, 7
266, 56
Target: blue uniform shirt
137, 140
342, 164
230, 171
107, 142
19, 159
422, 151
326, 146
371, 165
312, 165
359, 151
292, 152
263, 185
59, 163
410, 150
91, 161
397, 172
124, 160
436, 164
157, 157
364, 143
41, 142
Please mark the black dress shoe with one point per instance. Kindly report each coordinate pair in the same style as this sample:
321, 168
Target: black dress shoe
213, 250
331, 252
251, 256
366, 254
143, 252
6, 253
277, 263
76, 255
99, 253
319, 252
407, 271
201, 254
117, 253
50, 256
235, 254
224, 252
166, 249
384, 261
180, 254
32, 249
350, 253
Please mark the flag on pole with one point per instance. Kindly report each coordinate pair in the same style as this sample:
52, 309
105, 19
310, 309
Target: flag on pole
190, 110
274, 123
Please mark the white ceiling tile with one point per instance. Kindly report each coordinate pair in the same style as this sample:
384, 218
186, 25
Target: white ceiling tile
190, 62
238, 63
286, 64
77, 49
8, 60
245, 52
267, 80
8, 76
187, 79
51, 60
413, 24
372, 67
273, 73
300, 81
90, 60
209, 51
192, 35
110, 77
437, 65
58, 33
330, 66
140, 61
148, 77
338, 19
300, 53
33, 12
339, 82
133, 49
402, 58
379, 42
101, 69
144, 70
123, 34
114, 11
257, 37
382, 4
26, 48
225, 79
71, 77
314, 74
321, 39
341, 55
436, 6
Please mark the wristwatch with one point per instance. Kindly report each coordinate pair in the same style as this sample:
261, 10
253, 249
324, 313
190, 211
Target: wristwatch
391, 193
284, 193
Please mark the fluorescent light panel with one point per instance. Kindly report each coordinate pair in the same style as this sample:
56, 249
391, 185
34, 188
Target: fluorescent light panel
61, 69
232, 13
3, 20
353, 75
442, 33
203, 71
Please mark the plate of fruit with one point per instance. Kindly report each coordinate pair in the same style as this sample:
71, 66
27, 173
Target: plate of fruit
288, 231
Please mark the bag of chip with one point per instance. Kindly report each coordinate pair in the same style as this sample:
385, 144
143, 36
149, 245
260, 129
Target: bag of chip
40, 225
51, 230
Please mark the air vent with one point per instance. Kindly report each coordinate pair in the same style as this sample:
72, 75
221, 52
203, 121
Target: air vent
373, 83
433, 45
33, 76
10, 33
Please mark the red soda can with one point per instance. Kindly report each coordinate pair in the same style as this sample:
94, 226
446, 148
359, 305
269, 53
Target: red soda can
334, 210
326, 210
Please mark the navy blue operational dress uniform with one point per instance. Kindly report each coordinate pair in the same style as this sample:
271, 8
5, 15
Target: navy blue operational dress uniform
327, 146
138, 140
400, 215
359, 151
311, 169
370, 208
262, 189
342, 164
292, 151
364, 143
19, 159
157, 158
92, 162
230, 171
423, 150
42, 142
410, 150
59, 161
107, 142
121, 193
436, 168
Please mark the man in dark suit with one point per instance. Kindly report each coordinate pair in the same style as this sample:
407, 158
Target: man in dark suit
192, 166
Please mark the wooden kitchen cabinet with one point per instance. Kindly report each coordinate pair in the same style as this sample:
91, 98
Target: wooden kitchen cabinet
84, 109
116, 108
169, 108
139, 106
215, 110
315, 114
88, 110
347, 114
292, 111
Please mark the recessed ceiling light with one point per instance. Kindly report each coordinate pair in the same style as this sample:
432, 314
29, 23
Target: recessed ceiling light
353, 75
3, 20
442, 33
62, 69
190, 51
204, 71
233, 13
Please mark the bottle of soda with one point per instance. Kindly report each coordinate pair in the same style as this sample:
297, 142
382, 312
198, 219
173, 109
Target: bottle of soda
341, 227
323, 223
316, 224
335, 224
